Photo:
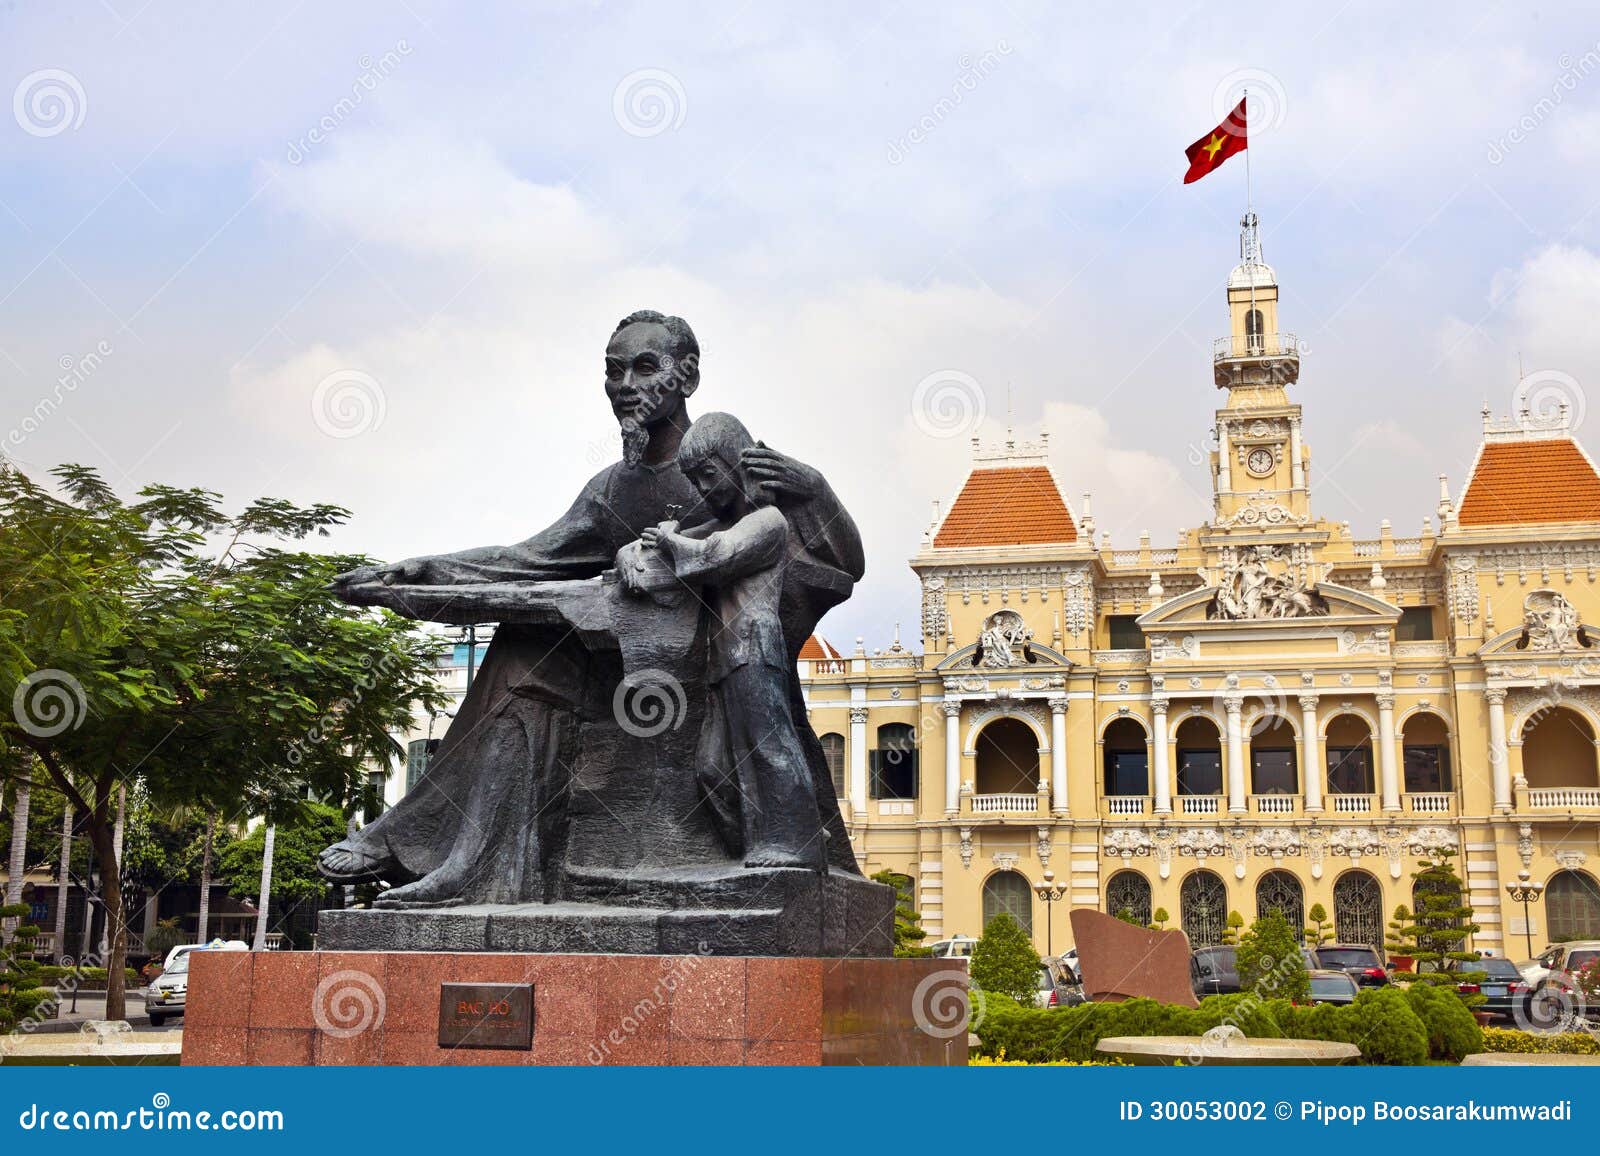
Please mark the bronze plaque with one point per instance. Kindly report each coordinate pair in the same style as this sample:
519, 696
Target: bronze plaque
486, 1015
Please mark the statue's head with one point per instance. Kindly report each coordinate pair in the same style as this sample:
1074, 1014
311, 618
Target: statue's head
709, 457
652, 366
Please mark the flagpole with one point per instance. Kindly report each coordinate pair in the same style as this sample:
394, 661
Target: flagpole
1249, 197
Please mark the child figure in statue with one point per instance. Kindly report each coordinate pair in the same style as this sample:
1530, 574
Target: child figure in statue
752, 768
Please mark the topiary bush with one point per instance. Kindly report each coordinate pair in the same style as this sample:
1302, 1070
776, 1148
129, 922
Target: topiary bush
1453, 1033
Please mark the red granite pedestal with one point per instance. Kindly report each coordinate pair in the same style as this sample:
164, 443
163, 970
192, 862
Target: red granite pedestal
343, 1008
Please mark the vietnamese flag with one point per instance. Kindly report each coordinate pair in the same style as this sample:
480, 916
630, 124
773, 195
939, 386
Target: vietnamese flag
1207, 154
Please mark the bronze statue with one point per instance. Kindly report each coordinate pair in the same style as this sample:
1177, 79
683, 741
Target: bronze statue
545, 794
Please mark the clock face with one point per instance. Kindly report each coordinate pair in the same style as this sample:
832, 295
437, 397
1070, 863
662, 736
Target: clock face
1260, 461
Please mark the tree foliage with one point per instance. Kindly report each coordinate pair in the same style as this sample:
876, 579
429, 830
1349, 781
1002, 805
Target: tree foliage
1435, 934
294, 855
1004, 961
908, 932
170, 642
1269, 960
1318, 930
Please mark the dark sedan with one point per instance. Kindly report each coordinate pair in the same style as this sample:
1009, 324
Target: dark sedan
1502, 987
1360, 962
1214, 971
1335, 987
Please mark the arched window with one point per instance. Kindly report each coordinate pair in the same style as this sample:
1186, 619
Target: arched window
1349, 747
833, 751
1008, 891
1280, 891
1128, 893
1572, 906
894, 763
1199, 756
1426, 743
1203, 908
1126, 760
1272, 757
1007, 759
1358, 909
1253, 327
1558, 750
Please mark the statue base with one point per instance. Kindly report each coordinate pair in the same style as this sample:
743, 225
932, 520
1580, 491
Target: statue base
368, 1008
687, 911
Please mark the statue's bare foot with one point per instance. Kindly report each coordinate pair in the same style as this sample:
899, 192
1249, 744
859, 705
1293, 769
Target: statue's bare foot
436, 890
344, 862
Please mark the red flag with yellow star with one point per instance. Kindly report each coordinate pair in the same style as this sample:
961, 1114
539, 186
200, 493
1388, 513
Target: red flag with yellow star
1207, 154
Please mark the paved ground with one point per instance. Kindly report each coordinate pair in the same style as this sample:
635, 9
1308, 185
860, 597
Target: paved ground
92, 1006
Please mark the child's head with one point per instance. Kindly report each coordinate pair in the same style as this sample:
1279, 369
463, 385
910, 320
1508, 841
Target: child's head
709, 458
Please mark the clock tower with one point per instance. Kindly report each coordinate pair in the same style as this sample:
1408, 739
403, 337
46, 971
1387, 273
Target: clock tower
1259, 465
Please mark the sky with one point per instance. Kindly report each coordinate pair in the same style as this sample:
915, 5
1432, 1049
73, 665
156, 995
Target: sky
371, 253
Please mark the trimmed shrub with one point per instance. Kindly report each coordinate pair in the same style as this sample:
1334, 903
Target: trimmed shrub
1004, 961
1452, 1032
1381, 1023
1537, 1043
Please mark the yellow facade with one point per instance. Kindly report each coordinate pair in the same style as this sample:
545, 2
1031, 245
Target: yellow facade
1270, 712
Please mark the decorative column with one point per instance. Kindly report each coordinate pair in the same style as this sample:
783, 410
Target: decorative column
1224, 471
1163, 760
1058, 756
858, 760
1235, 709
952, 756
1310, 757
1389, 781
1499, 757
1297, 470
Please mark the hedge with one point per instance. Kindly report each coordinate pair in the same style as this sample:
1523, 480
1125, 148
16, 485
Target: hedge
1557, 1043
1388, 1025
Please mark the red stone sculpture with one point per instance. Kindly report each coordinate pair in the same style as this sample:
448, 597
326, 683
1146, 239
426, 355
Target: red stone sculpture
1120, 961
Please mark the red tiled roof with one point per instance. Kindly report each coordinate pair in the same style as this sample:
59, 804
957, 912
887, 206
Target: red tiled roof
1008, 506
1530, 481
817, 648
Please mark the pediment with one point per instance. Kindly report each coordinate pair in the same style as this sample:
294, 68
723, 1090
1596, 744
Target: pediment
1343, 605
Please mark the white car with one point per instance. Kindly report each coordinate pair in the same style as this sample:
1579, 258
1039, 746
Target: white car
1560, 963
960, 947
168, 992
184, 949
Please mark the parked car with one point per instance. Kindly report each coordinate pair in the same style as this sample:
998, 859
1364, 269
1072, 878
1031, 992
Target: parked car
1561, 961
168, 992
958, 947
1553, 977
1214, 971
1335, 987
1502, 987
1068, 985
184, 949
1360, 962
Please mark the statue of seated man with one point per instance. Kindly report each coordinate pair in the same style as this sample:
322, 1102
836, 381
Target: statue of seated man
750, 760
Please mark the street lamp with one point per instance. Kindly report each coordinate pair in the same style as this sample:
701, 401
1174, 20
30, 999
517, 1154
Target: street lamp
1525, 892
1048, 892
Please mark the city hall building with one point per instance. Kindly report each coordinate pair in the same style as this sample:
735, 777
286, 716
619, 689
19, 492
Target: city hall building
1268, 713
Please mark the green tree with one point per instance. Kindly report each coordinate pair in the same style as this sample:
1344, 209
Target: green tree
1230, 933
169, 640
1318, 930
1269, 960
294, 858
1435, 933
1005, 962
1158, 919
908, 933
1126, 915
